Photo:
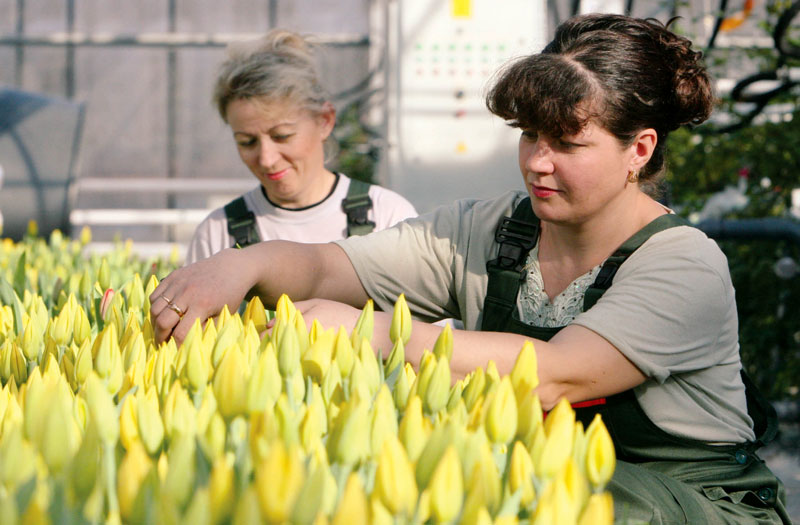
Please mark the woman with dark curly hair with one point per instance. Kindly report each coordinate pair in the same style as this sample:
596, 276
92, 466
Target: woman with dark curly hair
631, 310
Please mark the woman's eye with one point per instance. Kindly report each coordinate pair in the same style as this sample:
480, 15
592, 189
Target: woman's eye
246, 143
282, 138
530, 135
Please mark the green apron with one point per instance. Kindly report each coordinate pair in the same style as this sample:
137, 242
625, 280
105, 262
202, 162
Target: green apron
660, 477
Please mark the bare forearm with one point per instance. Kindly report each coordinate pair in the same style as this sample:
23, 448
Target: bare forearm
302, 271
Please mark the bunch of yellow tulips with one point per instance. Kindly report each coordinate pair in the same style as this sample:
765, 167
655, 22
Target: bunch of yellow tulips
242, 425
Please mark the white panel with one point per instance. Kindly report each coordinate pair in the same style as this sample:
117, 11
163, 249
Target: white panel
446, 145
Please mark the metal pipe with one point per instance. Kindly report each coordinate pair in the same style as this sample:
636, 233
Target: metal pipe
773, 229
162, 40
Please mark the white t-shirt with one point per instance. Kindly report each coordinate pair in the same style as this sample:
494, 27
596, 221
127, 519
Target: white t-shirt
322, 222
671, 309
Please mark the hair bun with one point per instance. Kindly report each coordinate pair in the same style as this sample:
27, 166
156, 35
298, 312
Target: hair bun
693, 98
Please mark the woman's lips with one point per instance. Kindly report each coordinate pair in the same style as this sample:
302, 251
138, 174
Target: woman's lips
543, 192
278, 175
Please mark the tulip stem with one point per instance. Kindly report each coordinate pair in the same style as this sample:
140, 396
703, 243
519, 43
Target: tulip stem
109, 471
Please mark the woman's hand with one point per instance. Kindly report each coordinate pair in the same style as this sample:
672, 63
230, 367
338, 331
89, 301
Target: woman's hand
199, 291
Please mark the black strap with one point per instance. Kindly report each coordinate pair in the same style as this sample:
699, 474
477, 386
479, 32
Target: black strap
516, 235
241, 223
356, 206
612, 264
765, 419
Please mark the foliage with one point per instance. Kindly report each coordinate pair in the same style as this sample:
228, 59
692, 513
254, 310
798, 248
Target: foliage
702, 163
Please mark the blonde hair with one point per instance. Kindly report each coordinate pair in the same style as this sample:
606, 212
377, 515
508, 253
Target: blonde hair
279, 66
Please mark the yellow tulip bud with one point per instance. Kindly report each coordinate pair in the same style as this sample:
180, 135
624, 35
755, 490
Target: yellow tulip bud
212, 441
475, 444
500, 420
148, 417
104, 275
264, 385
529, 417
136, 295
81, 329
601, 458
412, 431
230, 388
343, 352
288, 347
444, 343
438, 388
284, 308
555, 505
401, 321
133, 469
372, 373
366, 322
599, 510
442, 437
447, 487
227, 336
383, 420
520, 474
102, 410
579, 447
475, 514
247, 511
103, 351
288, 420
17, 457
179, 414
353, 506
397, 358
317, 359
277, 500
312, 497
402, 389
524, 375
256, 313
474, 388
32, 342
331, 387
60, 435
180, 479
128, 425
559, 429
485, 481
221, 489
576, 484
348, 439
394, 479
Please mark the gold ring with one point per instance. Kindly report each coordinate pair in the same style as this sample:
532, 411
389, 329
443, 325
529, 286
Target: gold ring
169, 301
175, 308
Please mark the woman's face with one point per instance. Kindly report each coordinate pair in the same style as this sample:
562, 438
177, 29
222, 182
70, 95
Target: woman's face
573, 178
282, 144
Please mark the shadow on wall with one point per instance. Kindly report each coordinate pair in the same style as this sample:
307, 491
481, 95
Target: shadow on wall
39, 141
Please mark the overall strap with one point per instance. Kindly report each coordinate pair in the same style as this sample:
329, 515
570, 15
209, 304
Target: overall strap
516, 235
612, 264
356, 205
241, 223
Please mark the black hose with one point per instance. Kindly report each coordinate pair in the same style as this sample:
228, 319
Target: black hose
773, 229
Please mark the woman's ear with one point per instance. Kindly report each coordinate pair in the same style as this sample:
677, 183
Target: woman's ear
642, 148
326, 119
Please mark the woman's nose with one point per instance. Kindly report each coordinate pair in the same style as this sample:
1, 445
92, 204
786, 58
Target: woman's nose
267, 154
539, 158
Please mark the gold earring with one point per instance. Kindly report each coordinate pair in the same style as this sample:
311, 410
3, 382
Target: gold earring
633, 177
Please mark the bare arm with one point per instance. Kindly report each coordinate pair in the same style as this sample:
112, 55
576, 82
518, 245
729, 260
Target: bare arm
577, 363
267, 269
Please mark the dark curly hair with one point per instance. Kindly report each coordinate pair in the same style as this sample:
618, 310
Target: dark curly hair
627, 74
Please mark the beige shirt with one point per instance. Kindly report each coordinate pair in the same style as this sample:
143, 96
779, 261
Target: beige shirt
323, 222
671, 309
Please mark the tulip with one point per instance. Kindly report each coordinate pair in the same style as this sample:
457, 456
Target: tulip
128, 425
230, 388
353, 507
600, 455
288, 347
447, 487
180, 479
366, 322
474, 388
81, 328
401, 321
370, 366
133, 469
394, 479
104, 275
520, 474
383, 421
148, 417
331, 387
227, 336
485, 481
500, 420
83, 363
343, 352
264, 385
279, 479
284, 308
317, 359
17, 457
31, 341
311, 498
444, 343
256, 313
212, 440
559, 429
442, 437
599, 510
221, 489
179, 414
247, 509
136, 295
102, 410
438, 388
287, 420
576, 484
412, 431
397, 358
402, 389
524, 375
529, 417
348, 439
